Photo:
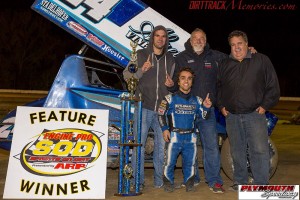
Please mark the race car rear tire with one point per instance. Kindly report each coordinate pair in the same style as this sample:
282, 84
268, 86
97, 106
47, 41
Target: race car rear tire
227, 164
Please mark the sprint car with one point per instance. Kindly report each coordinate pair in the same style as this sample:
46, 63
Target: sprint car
84, 82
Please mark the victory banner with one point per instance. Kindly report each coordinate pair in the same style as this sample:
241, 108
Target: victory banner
58, 154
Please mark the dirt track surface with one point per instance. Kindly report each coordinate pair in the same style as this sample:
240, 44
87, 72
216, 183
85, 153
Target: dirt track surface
286, 138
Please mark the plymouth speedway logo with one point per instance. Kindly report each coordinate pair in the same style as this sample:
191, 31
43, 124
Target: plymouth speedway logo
269, 192
61, 152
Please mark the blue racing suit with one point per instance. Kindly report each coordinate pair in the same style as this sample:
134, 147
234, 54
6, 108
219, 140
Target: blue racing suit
177, 113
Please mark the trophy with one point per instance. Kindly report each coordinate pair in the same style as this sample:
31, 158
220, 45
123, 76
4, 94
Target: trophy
127, 140
132, 68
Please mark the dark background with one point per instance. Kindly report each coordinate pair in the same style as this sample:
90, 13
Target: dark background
32, 48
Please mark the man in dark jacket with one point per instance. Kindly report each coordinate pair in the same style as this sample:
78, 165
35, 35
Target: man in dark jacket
155, 64
247, 87
204, 62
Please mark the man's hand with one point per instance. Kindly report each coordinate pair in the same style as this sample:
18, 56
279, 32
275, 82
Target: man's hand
207, 102
167, 135
147, 65
260, 110
252, 50
169, 82
224, 112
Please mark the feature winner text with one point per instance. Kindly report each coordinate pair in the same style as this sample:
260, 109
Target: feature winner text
54, 189
63, 115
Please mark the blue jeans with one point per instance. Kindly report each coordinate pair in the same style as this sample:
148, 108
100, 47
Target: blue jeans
211, 152
150, 119
186, 145
249, 129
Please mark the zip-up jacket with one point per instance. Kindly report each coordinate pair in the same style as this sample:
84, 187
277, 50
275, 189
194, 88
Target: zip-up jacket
205, 67
178, 111
246, 85
151, 84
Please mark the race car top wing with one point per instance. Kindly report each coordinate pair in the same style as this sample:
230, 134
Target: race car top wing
109, 25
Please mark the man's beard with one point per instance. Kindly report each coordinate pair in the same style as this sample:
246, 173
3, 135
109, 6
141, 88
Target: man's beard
198, 48
159, 47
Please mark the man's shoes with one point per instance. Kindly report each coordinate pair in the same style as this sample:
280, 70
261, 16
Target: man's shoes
217, 188
190, 188
183, 185
196, 183
234, 187
189, 185
158, 186
179, 185
168, 187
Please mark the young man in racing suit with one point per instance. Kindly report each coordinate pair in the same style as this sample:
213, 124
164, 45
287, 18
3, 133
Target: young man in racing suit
177, 114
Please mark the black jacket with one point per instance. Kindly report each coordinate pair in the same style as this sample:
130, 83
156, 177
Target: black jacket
246, 85
205, 67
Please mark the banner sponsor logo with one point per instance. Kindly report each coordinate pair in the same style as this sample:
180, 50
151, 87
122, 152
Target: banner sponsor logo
114, 53
54, 10
141, 36
61, 152
93, 39
77, 28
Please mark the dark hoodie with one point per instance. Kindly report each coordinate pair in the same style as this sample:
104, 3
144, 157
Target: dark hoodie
205, 67
152, 83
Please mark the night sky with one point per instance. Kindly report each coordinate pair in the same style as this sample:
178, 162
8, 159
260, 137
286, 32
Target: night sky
274, 33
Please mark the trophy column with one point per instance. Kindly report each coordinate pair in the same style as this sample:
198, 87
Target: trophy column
127, 139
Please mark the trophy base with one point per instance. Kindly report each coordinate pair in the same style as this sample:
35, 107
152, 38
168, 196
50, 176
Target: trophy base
127, 194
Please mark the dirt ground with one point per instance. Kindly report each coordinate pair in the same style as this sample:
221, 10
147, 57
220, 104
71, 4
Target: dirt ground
286, 138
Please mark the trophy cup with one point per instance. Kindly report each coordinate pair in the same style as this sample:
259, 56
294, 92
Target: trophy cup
127, 139
132, 68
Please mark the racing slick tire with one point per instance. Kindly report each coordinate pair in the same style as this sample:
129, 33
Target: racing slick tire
227, 163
